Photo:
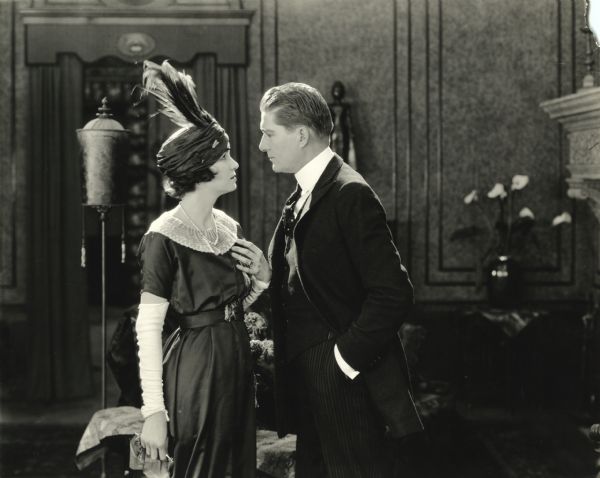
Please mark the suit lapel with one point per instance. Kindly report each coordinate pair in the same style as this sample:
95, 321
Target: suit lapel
273, 244
277, 245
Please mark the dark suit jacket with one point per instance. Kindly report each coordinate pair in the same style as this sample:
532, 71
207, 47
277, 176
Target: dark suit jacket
351, 272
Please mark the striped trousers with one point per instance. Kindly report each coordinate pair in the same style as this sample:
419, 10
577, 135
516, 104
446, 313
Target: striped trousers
339, 432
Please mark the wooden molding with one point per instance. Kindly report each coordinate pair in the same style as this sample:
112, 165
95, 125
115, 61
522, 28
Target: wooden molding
176, 33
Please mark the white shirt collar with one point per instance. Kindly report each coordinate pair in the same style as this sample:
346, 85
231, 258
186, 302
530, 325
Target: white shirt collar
310, 173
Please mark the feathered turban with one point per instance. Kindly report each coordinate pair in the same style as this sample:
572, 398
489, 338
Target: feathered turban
201, 141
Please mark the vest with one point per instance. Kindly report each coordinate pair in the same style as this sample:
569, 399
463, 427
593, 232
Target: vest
304, 327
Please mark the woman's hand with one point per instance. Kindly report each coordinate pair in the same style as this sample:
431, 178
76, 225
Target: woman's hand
154, 436
251, 260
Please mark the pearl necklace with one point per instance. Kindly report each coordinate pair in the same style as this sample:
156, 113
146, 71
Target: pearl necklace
205, 233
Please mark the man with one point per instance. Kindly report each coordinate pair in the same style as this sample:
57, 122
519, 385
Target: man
339, 295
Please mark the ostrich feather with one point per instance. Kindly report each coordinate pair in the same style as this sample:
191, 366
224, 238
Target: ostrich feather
176, 95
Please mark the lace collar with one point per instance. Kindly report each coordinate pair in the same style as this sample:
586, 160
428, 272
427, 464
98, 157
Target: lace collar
186, 235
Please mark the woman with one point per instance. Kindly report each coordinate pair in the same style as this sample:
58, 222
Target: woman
196, 265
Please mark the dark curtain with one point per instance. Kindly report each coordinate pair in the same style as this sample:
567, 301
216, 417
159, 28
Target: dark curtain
205, 77
60, 349
232, 111
222, 91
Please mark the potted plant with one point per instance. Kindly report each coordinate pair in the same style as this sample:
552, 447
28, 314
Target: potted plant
507, 236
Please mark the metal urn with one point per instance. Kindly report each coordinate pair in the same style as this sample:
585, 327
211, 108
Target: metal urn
103, 141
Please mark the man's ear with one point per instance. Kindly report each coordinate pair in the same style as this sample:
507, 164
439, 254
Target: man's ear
303, 136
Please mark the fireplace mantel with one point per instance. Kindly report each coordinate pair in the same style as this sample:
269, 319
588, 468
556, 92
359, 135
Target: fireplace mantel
579, 113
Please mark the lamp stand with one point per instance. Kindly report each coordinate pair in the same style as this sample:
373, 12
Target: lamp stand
103, 210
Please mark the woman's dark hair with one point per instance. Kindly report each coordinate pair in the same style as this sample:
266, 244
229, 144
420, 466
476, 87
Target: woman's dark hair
178, 187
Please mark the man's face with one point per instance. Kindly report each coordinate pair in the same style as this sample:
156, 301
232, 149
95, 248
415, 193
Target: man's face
281, 144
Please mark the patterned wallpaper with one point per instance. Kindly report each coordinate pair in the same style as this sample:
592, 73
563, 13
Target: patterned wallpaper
445, 97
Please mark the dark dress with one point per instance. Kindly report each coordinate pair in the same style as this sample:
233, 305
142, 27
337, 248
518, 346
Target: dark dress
207, 371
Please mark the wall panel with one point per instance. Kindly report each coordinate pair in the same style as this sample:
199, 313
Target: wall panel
13, 171
445, 98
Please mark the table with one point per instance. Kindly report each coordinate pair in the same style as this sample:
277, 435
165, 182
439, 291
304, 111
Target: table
522, 357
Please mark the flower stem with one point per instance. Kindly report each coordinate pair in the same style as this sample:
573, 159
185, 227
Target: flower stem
509, 225
490, 227
488, 223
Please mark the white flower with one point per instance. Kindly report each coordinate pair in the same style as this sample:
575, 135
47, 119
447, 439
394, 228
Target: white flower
526, 212
497, 191
519, 181
564, 218
471, 197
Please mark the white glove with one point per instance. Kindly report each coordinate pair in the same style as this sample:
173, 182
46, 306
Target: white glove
256, 289
148, 327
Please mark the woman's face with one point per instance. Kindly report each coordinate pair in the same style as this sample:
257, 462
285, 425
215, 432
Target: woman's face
225, 180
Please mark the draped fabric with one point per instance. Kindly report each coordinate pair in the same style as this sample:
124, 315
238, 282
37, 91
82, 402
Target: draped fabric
222, 92
233, 114
60, 365
204, 73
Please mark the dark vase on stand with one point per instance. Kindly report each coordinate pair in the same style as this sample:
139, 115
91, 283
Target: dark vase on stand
504, 282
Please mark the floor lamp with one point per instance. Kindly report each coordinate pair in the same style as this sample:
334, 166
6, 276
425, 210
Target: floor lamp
103, 142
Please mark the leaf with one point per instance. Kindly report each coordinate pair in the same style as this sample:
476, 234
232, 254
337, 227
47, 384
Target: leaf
523, 225
523, 233
535, 240
468, 232
501, 228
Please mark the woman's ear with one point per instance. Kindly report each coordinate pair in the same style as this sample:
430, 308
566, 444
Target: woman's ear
212, 169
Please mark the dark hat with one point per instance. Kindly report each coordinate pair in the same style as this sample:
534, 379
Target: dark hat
201, 140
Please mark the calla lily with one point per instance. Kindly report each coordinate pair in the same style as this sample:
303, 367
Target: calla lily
497, 191
519, 181
564, 218
471, 197
526, 212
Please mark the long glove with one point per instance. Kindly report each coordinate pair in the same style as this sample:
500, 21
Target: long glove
257, 287
148, 327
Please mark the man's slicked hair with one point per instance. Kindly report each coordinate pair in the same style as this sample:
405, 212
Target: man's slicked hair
298, 104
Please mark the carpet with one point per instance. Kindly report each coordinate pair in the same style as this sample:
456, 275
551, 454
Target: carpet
540, 445
548, 446
534, 445
44, 451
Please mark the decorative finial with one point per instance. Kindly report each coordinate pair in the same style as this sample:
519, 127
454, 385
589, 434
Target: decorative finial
104, 110
338, 92
588, 79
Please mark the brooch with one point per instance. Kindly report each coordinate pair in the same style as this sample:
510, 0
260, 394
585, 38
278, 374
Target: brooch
229, 312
